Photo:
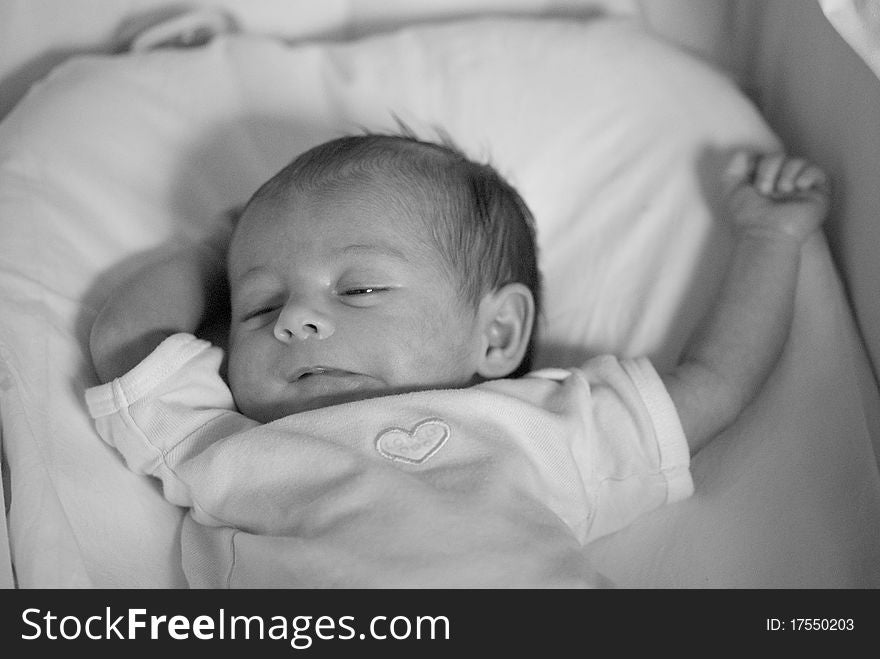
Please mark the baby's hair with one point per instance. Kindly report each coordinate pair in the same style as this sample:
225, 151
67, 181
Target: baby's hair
480, 224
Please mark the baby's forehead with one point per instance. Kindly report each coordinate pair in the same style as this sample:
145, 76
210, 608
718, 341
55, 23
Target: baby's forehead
387, 197
359, 212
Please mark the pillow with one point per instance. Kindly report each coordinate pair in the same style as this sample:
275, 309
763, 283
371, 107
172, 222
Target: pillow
613, 138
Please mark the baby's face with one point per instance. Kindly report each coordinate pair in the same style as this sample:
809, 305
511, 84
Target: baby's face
336, 297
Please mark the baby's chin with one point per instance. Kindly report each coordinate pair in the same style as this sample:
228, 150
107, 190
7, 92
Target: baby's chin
268, 412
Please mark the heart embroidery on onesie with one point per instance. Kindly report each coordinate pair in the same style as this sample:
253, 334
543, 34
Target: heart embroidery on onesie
413, 446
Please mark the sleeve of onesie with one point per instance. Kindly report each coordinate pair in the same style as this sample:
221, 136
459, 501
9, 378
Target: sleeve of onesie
635, 457
170, 407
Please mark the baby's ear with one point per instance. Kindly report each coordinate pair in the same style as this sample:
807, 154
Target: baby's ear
507, 316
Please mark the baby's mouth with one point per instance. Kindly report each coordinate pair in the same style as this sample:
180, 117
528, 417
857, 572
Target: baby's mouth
311, 371
320, 386
311, 381
316, 386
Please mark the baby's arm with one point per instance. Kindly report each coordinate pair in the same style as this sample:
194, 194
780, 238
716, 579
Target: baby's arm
173, 294
774, 203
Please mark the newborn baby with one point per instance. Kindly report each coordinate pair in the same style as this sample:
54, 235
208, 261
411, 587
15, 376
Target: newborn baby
379, 424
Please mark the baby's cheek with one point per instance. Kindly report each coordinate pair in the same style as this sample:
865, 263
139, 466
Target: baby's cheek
242, 373
439, 355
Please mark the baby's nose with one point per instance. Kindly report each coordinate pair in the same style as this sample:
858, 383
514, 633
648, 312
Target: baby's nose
297, 321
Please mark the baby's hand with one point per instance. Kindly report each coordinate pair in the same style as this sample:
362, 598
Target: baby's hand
775, 195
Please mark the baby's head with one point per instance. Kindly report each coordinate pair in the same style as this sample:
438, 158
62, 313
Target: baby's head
378, 264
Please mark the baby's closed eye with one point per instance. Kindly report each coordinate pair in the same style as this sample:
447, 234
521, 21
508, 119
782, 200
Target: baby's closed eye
259, 314
361, 295
260, 311
363, 290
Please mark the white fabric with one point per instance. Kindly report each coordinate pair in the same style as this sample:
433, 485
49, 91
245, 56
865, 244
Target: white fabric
858, 21
613, 137
393, 484
37, 35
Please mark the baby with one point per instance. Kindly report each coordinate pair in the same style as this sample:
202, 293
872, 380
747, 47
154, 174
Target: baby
380, 426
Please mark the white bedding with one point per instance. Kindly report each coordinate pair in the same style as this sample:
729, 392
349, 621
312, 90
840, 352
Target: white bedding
612, 137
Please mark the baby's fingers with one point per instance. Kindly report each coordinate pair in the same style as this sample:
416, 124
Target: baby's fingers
789, 174
779, 175
810, 178
767, 173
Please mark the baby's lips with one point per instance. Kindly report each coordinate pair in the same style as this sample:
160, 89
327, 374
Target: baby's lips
317, 370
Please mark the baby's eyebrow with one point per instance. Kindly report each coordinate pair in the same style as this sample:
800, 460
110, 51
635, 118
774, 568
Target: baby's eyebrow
379, 249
